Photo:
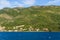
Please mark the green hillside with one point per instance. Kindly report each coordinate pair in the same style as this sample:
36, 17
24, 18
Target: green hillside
34, 18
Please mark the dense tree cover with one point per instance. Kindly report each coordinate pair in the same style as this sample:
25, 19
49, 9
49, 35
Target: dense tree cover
35, 16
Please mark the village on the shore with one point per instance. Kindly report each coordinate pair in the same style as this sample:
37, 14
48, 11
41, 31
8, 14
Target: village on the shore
22, 29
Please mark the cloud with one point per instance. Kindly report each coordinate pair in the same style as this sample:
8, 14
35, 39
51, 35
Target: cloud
29, 2
16, 3
4, 3
53, 2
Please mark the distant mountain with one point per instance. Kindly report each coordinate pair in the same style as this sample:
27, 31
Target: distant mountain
35, 16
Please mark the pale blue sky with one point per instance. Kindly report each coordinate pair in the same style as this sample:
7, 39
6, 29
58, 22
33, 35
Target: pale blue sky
27, 3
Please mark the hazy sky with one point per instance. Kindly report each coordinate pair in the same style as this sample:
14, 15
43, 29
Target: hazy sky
27, 3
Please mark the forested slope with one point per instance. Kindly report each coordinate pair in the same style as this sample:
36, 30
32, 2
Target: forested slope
34, 18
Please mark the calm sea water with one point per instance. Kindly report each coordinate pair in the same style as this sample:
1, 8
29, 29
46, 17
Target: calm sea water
29, 35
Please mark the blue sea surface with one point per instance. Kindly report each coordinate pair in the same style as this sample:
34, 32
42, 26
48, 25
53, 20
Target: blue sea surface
29, 35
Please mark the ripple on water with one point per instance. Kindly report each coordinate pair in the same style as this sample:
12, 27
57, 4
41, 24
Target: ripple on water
29, 36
